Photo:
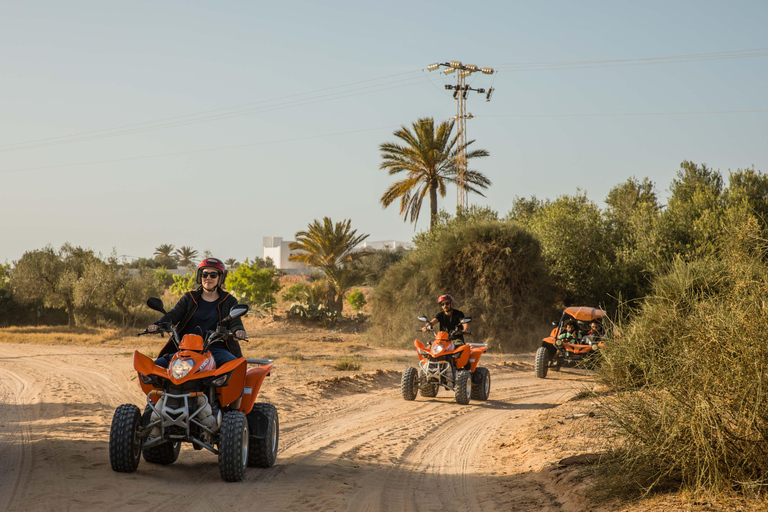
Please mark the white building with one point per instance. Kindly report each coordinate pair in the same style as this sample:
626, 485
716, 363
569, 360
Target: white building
277, 249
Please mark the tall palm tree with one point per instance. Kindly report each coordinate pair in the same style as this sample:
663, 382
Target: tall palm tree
186, 255
429, 158
330, 247
232, 263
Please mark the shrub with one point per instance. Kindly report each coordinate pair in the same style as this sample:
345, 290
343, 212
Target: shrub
356, 299
348, 364
690, 371
183, 284
493, 269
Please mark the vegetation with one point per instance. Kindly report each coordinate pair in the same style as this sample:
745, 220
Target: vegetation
252, 284
331, 248
183, 284
185, 256
356, 299
493, 269
429, 158
689, 371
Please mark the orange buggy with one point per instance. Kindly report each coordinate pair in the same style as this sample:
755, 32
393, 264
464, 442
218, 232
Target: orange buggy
556, 353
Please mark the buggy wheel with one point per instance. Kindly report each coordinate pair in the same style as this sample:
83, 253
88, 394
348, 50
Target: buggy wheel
481, 383
463, 388
541, 362
409, 383
233, 446
429, 390
263, 422
124, 441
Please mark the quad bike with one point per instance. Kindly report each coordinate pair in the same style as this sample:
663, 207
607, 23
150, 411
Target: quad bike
556, 353
443, 364
193, 401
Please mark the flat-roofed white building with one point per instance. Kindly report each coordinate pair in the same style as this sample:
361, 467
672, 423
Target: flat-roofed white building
277, 249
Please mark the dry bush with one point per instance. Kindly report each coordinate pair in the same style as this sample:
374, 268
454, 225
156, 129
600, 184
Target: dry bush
348, 364
691, 374
494, 271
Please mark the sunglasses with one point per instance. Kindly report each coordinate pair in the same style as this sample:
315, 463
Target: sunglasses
212, 275
445, 304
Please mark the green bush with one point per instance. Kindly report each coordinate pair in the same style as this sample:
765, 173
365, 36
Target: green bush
253, 284
296, 293
183, 284
493, 269
356, 299
690, 371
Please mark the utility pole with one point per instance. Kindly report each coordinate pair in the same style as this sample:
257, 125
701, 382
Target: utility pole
460, 92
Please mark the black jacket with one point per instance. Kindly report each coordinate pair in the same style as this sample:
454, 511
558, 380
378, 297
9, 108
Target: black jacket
184, 309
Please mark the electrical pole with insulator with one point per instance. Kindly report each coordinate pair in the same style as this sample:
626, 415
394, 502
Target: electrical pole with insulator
460, 92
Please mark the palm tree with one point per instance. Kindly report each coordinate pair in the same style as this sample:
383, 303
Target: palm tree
164, 251
330, 247
429, 158
185, 255
232, 263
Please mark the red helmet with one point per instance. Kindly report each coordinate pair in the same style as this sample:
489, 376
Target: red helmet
211, 263
444, 298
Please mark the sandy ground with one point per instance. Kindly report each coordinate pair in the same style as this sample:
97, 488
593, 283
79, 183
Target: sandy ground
348, 441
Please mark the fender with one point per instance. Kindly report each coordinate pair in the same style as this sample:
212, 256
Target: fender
254, 377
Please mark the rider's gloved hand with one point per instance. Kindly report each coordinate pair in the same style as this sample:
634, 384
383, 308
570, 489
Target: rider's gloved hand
152, 328
241, 334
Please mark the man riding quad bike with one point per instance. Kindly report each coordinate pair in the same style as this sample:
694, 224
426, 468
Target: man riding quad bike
449, 363
566, 346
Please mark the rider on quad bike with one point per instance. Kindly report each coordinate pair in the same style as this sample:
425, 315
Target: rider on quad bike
447, 362
448, 318
198, 312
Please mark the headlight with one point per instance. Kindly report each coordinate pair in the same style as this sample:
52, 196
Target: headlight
181, 367
594, 346
559, 342
437, 349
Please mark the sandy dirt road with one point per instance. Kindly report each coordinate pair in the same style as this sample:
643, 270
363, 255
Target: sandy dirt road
346, 444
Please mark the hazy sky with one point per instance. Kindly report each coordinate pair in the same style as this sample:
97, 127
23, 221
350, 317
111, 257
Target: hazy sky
128, 125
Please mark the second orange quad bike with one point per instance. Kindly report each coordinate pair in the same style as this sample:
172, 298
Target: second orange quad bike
445, 364
556, 353
192, 401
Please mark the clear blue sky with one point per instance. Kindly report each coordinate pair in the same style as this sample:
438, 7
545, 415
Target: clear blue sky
257, 117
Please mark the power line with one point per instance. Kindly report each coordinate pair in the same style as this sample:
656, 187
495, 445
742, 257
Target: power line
628, 114
672, 59
311, 97
179, 153
350, 132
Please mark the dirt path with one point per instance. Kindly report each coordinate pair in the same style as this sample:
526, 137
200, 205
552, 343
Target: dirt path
351, 444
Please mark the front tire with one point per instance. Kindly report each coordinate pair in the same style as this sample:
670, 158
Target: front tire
463, 387
233, 446
481, 383
409, 383
262, 452
124, 441
540, 363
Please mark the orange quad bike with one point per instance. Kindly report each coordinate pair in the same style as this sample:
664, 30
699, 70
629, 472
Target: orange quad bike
193, 401
556, 353
449, 365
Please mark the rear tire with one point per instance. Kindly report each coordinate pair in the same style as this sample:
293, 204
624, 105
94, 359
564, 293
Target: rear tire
481, 383
233, 446
124, 441
165, 453
463, 388
541, 362
409, 383
429, 390
262, 452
